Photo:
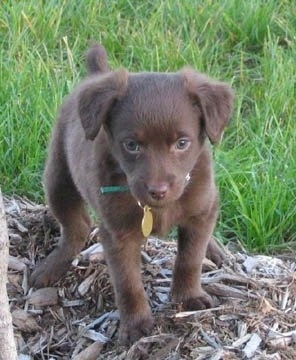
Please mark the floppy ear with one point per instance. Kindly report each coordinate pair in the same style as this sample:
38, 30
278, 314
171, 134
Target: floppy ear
214, 99
96, 97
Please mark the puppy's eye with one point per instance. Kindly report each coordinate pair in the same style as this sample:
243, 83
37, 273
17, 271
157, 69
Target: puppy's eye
131, 146
182, 144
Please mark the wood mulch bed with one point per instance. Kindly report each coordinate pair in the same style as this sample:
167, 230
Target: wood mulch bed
254, 316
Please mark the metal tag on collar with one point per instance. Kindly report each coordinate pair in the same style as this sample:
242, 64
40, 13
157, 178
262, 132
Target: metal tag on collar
147, 220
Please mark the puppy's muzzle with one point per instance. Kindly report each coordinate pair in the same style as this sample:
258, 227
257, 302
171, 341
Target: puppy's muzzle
158, 191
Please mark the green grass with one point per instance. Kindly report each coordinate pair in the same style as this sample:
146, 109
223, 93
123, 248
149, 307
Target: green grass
250, 44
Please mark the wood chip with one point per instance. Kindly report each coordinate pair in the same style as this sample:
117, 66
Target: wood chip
250, 263
252, 345
20, 227
145, 257
266, 307
183, 314
242, 340
142, 345
285, 299
24, 357
85, 285
16, 264
96, 258
15, 238
95, 249
242, 329
43, 297
24, 321
71, 303
96, 336
282, 341
226, 291
210, 340
91, 352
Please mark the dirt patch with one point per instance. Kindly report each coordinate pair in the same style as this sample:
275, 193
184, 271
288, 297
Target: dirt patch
254, 316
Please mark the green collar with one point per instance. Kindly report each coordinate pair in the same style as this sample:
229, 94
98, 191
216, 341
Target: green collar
113, 189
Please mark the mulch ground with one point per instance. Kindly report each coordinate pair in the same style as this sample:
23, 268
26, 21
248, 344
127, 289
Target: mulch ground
254, 316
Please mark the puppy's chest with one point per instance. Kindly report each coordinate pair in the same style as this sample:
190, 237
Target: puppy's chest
164, 220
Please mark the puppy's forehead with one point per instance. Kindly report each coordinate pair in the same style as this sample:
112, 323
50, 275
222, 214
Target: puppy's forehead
156, 101
147, 89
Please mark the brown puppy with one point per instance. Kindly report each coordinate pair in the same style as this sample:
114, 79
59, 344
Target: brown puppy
146, 134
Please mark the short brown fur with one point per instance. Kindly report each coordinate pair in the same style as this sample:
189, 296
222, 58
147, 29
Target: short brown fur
147, 131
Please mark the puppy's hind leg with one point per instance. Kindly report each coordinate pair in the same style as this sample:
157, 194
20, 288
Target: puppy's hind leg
68, 208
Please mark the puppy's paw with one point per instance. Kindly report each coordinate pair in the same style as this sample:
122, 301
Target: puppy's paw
50, 270
201, 302
134, 327
215, 253
190, 302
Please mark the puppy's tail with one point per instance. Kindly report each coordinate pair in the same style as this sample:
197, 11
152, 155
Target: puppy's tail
97, 60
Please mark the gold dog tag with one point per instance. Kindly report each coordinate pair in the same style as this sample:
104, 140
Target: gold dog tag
147, 221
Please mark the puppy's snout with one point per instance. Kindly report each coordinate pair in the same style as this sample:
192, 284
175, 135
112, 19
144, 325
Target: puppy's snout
158, 191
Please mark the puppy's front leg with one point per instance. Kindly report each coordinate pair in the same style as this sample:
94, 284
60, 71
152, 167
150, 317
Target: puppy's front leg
192, 245
123, 254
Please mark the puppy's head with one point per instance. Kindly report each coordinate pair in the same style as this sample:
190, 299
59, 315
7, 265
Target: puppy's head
156, 124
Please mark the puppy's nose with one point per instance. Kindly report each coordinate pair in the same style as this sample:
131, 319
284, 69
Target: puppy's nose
158, 191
